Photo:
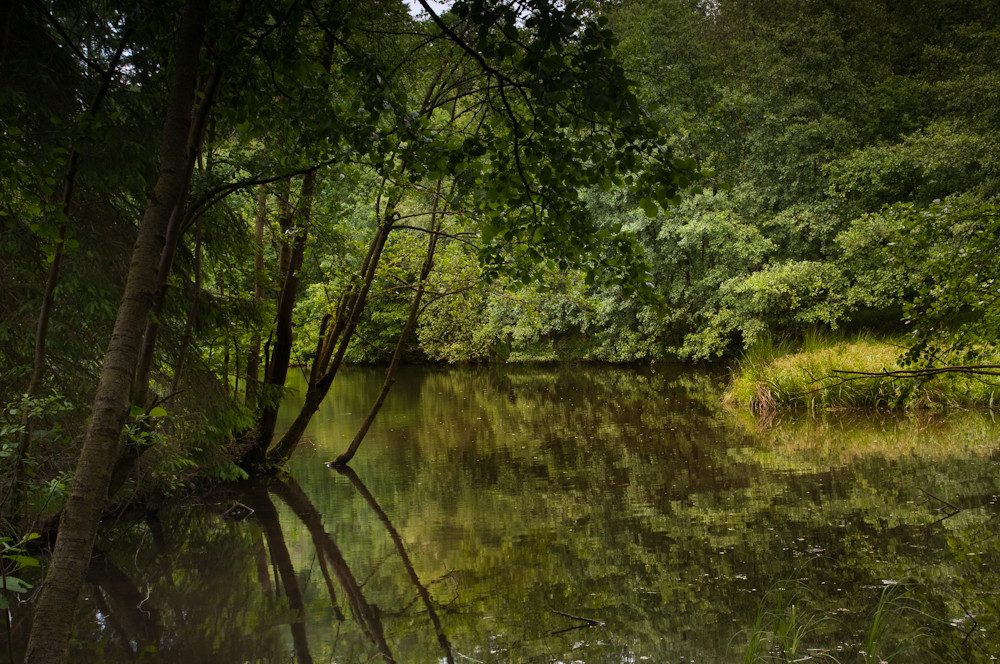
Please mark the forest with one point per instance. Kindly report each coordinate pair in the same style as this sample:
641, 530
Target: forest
202, 196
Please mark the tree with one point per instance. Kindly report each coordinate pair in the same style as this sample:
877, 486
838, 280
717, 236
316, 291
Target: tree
532, 89
54, 608
536, 109
812, 116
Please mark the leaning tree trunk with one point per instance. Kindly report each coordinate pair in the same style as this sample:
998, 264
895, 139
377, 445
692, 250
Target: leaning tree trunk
196, 135
397, 355
348, 314
53, 618
324, 368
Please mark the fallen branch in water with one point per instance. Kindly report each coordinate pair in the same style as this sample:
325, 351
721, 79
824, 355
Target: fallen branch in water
590, 622
951, 510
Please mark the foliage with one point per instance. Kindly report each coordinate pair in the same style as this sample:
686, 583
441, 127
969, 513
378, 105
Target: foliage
191, 446
807, 120
13, 559
43, 422
954, 311
540, 151
807, 294
511, 109
633, 181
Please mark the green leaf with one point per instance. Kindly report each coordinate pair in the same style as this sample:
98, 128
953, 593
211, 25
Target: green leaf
23, 561
159, 411
648, 206
14, 584
487, 233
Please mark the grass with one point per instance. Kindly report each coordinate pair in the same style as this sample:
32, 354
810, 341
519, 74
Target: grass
775, 375
886, 640
814, 442
781, 628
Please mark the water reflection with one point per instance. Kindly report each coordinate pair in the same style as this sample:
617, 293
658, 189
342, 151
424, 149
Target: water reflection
571, 515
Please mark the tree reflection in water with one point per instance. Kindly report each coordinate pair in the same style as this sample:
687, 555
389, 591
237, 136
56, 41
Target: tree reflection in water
208, 607
497, 503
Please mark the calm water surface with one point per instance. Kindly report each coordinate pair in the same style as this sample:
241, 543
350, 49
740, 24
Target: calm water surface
572, 514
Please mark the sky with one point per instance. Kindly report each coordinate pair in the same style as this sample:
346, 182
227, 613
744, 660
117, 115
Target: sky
437, 6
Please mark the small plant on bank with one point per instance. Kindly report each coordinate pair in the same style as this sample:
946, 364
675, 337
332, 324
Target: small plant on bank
881, 643
783, 626
30, 431
13, 559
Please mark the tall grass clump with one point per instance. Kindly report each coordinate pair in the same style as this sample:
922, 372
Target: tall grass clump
886, 639
781, 627
812, 378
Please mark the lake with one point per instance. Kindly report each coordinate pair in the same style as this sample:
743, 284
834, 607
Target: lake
571, 514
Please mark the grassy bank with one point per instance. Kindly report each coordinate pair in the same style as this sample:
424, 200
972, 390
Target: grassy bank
781, 376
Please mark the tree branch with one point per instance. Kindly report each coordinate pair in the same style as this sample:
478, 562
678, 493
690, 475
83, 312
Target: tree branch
465, 47
972, 369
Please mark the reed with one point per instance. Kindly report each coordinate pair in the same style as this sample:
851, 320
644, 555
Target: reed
885, 641
781, 627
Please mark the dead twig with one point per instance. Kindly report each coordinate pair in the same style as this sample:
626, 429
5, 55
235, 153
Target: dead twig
952, 510
590, 622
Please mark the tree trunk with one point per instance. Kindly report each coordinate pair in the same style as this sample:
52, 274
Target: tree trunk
253, 354
291, 262
53, 618
196, 134
324, 368
397, 355
289, 440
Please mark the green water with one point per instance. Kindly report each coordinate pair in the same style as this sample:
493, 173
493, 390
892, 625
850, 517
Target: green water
572, 514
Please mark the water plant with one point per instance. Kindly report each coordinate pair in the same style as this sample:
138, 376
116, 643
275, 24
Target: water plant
881, 643
781, 626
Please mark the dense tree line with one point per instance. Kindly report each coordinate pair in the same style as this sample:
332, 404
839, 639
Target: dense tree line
853, 146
